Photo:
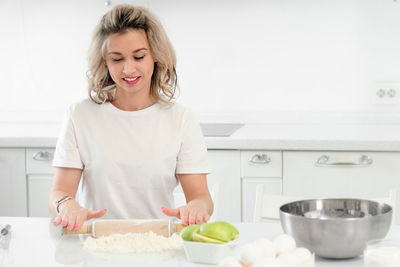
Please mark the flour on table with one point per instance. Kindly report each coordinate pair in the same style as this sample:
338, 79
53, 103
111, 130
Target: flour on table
137, 242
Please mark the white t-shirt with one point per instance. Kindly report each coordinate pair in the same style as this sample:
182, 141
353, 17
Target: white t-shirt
130, 158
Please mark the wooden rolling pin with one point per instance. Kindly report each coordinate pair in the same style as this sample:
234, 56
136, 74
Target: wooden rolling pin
108, 227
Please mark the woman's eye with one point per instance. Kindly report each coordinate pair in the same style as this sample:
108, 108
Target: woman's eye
139, 58
116, 59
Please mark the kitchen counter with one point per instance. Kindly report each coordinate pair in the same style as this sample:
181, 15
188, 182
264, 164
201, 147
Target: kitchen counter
271, 136
32, 244
312, 136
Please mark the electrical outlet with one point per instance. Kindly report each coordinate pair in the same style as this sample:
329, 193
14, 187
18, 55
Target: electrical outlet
386, 93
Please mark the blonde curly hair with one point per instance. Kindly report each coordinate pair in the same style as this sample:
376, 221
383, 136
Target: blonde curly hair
120, 19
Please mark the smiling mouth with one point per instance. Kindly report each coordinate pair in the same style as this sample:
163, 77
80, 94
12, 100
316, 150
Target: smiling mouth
131, 79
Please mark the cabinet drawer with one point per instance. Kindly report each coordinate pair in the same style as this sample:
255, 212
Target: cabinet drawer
261, 163
39, 160
340, 174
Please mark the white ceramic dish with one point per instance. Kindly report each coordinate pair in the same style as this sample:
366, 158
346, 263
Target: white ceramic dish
201, 252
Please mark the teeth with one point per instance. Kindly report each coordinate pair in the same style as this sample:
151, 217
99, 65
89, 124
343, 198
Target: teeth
130, 79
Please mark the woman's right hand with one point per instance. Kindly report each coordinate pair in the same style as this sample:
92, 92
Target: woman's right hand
72, 215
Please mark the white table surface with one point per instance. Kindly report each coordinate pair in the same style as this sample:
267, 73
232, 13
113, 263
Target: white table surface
32, 244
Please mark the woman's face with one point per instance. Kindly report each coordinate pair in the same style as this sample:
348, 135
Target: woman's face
130, 62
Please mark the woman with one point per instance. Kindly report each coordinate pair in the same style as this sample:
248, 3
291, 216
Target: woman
126, 148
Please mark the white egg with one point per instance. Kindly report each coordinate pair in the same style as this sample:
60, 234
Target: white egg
289, 258
250, 254
267, 247
284, 243
280, 263
268, 262
230, 262
263, 242
302, 254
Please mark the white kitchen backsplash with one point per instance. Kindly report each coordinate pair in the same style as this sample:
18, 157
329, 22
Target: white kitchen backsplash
234, 57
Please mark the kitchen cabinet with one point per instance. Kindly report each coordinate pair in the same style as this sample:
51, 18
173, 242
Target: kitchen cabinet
355, 174
39, 173
39, 187
340, 174
13, 200
225, 170
259, 167
313, 174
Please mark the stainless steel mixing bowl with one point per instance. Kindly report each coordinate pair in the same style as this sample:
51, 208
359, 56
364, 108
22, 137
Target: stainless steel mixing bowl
335, 228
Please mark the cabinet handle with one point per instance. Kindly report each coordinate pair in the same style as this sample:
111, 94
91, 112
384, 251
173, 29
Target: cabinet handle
258, 159
323, 161
43, 156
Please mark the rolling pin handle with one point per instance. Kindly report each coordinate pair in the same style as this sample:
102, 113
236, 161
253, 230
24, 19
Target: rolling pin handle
85, 229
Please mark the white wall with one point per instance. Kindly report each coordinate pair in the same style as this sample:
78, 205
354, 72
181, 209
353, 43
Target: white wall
233, 56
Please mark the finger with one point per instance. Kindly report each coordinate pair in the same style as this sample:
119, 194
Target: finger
79, 221
199, 219
96, 214
184, 212
64, 221
57, 220
71, 222
192, 216
171, 212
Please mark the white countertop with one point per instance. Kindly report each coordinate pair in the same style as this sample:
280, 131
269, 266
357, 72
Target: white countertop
312, 136
271, 136
32, 244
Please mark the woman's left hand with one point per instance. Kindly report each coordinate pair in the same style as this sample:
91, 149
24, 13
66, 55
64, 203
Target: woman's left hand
193, 213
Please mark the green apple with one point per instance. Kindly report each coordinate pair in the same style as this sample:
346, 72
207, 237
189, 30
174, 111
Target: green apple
202, 238
187, 232
219, 230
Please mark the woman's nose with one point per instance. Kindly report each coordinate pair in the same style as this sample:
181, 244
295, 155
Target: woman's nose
129, 67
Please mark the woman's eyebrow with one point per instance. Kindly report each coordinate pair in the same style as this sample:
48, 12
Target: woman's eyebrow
135, 51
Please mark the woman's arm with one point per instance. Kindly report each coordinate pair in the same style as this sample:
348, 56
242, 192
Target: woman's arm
71, 214
199, 203
65, 183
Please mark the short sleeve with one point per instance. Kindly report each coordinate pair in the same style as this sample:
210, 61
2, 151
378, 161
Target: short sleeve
192, 157
67, 152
